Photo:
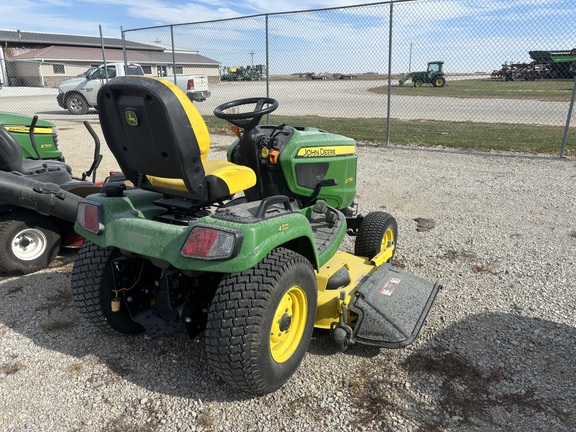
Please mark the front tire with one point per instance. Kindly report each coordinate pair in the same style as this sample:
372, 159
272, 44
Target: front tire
418, 83
260, 322
377, 231
29, 242
77, 104
92, 286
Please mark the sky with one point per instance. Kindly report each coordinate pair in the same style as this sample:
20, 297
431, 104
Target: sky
85, 16
469, 35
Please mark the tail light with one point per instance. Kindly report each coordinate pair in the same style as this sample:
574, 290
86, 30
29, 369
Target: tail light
89, 216
211, 244
190, 85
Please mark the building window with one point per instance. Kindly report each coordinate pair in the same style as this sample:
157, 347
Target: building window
147, 70
161, 71
58, 69
179, 70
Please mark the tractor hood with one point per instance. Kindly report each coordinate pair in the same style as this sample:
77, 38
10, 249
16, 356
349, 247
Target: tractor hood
11, 119
72, 83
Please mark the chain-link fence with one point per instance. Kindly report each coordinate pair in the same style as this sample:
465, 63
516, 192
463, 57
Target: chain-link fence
469, 73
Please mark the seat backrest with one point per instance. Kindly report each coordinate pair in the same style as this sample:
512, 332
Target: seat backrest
10, 152
152, 128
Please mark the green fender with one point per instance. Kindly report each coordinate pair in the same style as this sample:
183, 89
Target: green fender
128, 225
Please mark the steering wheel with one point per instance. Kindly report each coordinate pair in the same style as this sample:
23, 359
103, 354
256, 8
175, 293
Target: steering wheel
249, 119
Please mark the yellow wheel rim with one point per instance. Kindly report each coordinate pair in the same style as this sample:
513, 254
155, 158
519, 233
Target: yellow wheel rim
289, 324
387, 239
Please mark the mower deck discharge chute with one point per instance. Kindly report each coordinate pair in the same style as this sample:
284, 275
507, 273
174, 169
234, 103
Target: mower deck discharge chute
178, 254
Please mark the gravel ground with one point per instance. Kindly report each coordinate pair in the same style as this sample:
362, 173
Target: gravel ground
497, 351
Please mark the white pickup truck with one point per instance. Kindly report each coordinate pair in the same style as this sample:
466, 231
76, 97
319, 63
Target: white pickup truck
77, 95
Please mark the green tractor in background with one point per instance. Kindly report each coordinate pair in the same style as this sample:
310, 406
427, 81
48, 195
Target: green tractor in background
432, 75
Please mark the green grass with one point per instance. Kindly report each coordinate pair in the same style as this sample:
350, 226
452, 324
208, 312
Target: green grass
431, 133
546, 90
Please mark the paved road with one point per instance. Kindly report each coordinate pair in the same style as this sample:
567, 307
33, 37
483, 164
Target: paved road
329, 98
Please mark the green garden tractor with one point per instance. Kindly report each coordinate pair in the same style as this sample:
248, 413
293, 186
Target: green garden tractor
38, 138
432, 75
38, 194
246, 250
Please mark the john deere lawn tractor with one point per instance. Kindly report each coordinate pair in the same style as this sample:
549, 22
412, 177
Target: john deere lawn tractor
245, 250
38, 194
38, 138
432, 75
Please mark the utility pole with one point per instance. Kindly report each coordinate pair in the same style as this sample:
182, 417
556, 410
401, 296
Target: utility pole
252, 56
410, 59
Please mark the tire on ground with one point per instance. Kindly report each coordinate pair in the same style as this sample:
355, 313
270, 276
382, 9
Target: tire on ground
377, 230
260, 322
29, 241
77, 104
92, 290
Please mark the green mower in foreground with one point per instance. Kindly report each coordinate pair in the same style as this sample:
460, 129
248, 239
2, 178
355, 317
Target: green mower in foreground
245, 250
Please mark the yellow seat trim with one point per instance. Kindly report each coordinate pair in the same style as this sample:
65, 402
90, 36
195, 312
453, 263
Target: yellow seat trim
237, 177
200, 129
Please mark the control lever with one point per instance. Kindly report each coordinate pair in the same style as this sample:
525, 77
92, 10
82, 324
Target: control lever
317, 189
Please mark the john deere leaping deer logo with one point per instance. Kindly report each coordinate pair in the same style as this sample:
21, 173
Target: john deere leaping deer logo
131, 117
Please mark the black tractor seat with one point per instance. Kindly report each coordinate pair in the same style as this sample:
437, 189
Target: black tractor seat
161, 141
11, 158
35, 166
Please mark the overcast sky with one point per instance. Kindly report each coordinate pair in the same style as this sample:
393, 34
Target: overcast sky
469, 35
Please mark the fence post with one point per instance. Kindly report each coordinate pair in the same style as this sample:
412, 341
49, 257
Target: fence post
103, 53
173, 55
267, 69
567, 127
389, 74
3, 70
124, 47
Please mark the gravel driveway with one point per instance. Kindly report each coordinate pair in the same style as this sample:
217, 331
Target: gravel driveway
496, 354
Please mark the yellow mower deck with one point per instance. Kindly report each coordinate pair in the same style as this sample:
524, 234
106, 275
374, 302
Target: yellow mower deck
377, 303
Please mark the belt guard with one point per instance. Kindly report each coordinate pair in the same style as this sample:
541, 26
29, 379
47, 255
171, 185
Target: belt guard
391, 306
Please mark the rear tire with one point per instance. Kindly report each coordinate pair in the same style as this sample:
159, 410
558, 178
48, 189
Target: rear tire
92, 290
29, 242
439, 82
260, 322
377, 231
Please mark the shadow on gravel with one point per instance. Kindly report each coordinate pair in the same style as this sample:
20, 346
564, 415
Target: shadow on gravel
40, 308
489, 372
